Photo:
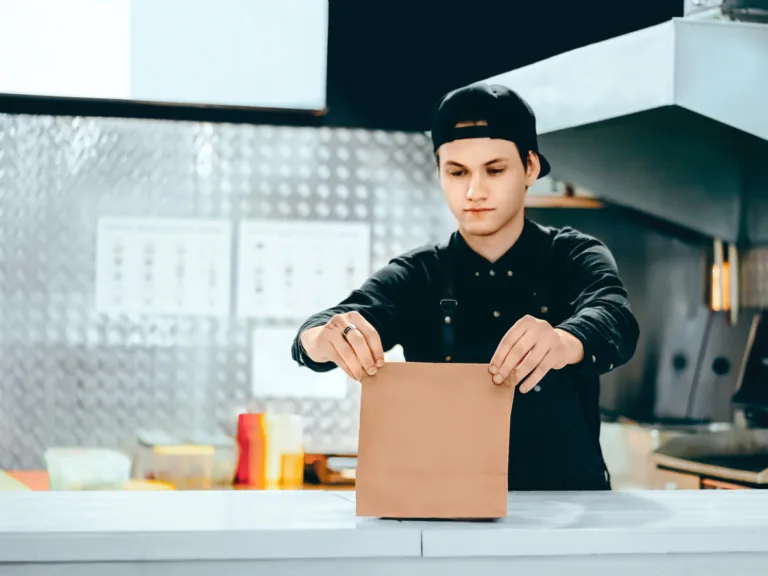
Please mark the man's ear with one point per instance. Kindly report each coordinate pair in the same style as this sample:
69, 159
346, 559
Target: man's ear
533, 169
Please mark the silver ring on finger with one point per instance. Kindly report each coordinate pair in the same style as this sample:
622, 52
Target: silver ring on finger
346, 330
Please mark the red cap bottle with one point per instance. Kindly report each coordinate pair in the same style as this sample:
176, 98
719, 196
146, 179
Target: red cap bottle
252, 440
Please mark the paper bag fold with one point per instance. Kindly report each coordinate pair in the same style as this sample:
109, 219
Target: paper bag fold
433, 442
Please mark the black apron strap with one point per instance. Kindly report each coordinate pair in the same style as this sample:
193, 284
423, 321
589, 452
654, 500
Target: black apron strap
448, 303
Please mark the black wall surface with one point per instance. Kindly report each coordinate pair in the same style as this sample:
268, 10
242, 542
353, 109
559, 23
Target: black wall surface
389, 61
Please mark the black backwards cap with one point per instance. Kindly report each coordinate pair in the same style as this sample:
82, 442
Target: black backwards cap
500, 112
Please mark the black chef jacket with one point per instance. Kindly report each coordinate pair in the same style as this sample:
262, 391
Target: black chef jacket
561, 275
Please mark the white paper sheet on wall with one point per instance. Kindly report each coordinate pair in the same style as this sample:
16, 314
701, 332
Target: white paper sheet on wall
395, 354
292, 269
163, 266
275, 374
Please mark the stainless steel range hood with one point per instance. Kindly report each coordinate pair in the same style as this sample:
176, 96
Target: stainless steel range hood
671, 120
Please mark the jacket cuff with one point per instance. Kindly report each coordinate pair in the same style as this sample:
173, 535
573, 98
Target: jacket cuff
590, 363
302, 358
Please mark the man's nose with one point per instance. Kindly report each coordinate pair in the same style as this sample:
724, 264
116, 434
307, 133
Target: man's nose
476, 190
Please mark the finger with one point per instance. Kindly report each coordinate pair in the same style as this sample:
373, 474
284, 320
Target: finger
371, 337
536, 376
358, 343
518, 352
341, 364
347, 354
530, 363
511, 338
515, 356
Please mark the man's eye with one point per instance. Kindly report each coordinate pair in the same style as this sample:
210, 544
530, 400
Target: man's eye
455, 172
495, 170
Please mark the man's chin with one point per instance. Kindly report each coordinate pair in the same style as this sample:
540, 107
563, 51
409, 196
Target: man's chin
480, 228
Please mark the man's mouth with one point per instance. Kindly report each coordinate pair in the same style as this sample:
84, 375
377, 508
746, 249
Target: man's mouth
478, 210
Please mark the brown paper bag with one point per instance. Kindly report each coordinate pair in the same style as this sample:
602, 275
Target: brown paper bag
433, 442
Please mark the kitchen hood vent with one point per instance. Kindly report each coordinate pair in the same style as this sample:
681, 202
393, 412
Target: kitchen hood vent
671, 120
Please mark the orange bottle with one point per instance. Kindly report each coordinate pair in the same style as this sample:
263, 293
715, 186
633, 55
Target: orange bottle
252, 441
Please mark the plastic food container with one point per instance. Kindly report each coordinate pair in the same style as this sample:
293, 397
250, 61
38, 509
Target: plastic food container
185, 463
87, 468
186, 467
224, 456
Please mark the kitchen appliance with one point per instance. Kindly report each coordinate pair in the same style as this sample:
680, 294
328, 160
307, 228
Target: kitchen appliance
745, 10
750, 402
739, 457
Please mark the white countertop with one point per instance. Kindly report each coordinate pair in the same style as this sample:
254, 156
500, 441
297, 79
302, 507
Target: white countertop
216, 525
608, 523
241, 525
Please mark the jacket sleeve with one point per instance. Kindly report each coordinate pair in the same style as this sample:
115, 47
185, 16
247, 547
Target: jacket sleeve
385, 300
601, 316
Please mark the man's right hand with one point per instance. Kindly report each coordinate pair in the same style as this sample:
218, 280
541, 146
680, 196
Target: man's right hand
349, 341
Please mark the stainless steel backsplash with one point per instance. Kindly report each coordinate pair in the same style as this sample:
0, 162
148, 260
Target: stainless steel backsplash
70, 376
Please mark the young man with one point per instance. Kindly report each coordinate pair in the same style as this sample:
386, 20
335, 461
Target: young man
544, 308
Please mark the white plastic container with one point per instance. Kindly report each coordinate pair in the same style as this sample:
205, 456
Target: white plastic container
292, 461
274, 448
285, 450
87, 468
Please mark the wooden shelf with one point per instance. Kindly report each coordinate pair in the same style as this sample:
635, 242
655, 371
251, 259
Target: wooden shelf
545, 201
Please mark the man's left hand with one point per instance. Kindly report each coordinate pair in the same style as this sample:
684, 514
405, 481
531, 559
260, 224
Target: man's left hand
531, 348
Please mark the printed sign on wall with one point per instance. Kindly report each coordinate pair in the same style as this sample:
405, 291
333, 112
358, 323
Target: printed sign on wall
163, 266
292, 269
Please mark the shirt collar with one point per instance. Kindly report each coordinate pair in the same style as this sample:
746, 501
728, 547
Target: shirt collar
519, 256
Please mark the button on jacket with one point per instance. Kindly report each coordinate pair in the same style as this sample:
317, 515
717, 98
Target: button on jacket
560, 275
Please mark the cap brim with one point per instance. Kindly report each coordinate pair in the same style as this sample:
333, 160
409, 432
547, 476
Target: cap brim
545, 166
